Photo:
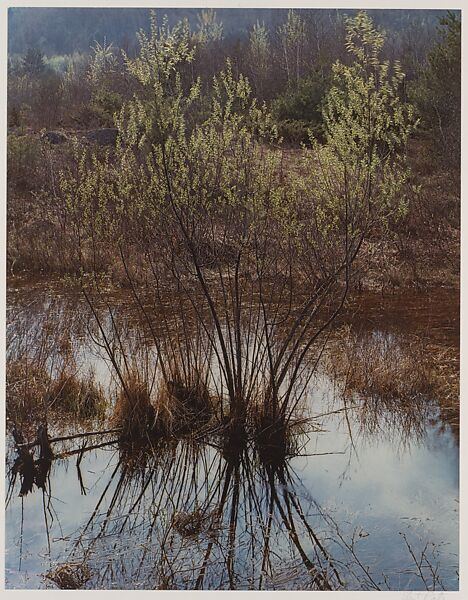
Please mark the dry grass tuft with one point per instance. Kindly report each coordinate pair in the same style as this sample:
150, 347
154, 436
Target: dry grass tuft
191, 524
69, 576
173, 409
272, 440
34, 397
180, 408
275, 436
381, 366
446, 376
26, 388
133, 411
80, 397
234, 439
193, 400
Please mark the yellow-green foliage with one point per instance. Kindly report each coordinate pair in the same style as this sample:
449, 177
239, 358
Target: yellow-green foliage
25, 164
367, 127
159, 109
354, 183
351, 184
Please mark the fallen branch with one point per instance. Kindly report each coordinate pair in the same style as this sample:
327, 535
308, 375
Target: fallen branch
68, 437
85, 449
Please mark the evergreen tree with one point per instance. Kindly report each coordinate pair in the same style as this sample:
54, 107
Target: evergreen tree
33, 62
437, 93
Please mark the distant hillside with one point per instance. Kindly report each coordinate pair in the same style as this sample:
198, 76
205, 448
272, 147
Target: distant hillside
65, 30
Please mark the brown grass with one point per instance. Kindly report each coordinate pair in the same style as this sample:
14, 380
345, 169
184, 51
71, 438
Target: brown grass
398, 371
34, 397
272, 439
276, 437
133, 410
81, 397
69, 576
190, 524
397, 379
26, 388
385, 368
173, 408
446, 377
181, 409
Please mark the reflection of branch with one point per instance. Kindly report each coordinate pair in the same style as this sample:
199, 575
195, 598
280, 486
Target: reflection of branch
219, 511
21, 534
288, 520
300, 512
86, 449
266, 548
44, 508
96, 507
349, 547
80, 479
232, 530
419, 566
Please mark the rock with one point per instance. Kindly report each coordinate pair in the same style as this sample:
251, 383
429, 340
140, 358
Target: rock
55, 137
103, 137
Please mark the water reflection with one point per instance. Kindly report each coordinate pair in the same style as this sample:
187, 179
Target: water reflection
193, 512
181, 516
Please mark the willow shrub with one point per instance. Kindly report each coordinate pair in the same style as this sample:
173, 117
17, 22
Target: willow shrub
258, 257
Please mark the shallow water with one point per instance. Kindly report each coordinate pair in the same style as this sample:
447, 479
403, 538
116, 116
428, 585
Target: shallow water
369, 499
